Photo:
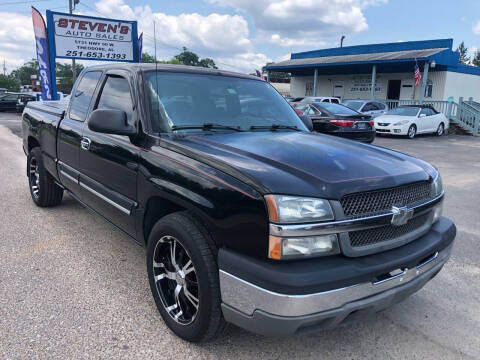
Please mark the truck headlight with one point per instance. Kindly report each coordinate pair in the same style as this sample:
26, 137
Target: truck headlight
298, 247
403, 122
285, 209
437, 185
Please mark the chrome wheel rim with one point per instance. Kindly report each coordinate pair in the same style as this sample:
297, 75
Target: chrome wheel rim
411, 132
34, 177
440, 130
176, 280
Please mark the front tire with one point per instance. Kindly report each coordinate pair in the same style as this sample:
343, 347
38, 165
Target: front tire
183, 277
440, 129
412, 131
45, 192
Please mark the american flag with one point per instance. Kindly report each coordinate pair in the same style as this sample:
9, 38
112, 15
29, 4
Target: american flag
259, 74
417, 75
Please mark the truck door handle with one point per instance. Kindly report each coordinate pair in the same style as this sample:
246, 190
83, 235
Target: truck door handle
85, 143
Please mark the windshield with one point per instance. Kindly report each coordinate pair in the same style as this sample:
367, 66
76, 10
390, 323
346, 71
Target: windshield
337, 109
404, 111
179, 99
355, 105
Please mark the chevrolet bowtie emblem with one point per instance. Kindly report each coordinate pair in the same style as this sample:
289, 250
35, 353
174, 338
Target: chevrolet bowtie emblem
401, 215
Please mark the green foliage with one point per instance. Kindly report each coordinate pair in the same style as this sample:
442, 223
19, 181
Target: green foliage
23, 73
476, 58
9, 82
463, 50
186, 57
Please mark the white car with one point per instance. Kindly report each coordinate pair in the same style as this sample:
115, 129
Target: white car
367, 107
411, 120
317, 99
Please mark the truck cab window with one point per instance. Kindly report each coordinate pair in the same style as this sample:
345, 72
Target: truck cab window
116, 95
83, 94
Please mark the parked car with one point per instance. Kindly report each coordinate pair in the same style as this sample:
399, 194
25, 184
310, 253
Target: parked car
8, 101
319, 99
246, 217
372, 108
339, 120
411, 120
22, 101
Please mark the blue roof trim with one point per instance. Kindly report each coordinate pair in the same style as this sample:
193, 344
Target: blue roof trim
465, 69
376, 48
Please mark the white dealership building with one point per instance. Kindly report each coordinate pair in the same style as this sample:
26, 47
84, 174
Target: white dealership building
382, 71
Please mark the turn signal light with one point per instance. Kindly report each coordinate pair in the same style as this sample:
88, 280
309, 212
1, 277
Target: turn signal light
346, 123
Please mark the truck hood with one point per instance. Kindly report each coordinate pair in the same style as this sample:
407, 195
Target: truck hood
302, 163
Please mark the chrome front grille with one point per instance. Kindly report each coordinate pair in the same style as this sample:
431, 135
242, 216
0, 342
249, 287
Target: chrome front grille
377, 201
387, 232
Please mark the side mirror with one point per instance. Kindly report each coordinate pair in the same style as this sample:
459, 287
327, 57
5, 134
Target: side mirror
422, 115
307, 121
110, 121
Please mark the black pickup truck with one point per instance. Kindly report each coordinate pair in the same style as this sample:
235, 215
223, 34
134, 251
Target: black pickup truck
246, 216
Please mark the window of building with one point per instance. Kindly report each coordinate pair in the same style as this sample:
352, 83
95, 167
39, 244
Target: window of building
429, 89
116, 95
309, 88
83, 95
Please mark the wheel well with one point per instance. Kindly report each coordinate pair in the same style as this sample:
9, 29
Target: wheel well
156, 209
32, 143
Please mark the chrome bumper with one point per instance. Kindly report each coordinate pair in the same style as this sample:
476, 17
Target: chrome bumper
245, 298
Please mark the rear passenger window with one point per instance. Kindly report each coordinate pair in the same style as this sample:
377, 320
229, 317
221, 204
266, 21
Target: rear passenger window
116, 95
83, 94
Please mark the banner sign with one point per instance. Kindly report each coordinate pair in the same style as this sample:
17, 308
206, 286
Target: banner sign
42, 54
364, 84
92, 38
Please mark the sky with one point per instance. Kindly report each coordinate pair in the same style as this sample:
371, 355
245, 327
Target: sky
243, 35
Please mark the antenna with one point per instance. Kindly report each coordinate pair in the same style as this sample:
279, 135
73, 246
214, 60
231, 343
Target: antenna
156, 68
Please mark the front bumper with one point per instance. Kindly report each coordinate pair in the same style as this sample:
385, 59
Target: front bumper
348, 292
392, 129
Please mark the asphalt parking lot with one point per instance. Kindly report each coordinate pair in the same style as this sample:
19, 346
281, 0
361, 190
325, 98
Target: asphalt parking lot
72, 286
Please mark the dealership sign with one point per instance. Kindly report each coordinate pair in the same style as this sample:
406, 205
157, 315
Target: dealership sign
92, 38
364, 84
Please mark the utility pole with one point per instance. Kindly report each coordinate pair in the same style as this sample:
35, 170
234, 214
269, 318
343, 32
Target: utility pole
74, 70
341, 40
4, 68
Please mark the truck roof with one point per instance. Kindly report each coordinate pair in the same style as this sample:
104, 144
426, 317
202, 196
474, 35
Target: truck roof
171, 68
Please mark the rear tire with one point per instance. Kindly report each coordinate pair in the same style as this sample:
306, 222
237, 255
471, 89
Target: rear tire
412, 131
193, 271
440, 129
45, 192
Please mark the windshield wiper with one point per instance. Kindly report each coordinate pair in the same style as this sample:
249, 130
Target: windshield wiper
206, 126
274, 127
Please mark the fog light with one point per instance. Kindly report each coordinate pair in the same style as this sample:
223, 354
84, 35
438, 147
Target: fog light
437, 212
288, 248
397, 131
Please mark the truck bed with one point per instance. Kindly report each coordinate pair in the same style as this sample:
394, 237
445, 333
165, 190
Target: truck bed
56, 107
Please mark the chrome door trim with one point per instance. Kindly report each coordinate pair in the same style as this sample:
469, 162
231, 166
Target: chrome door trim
69, 177
107, 200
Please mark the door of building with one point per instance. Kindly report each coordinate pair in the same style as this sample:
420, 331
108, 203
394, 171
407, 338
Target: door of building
406, 91
338, 89
393, 92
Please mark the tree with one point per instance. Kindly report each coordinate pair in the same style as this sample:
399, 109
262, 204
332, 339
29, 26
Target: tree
476, 58
9, 82
188, 57
462, 49
147, 58
23, 73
